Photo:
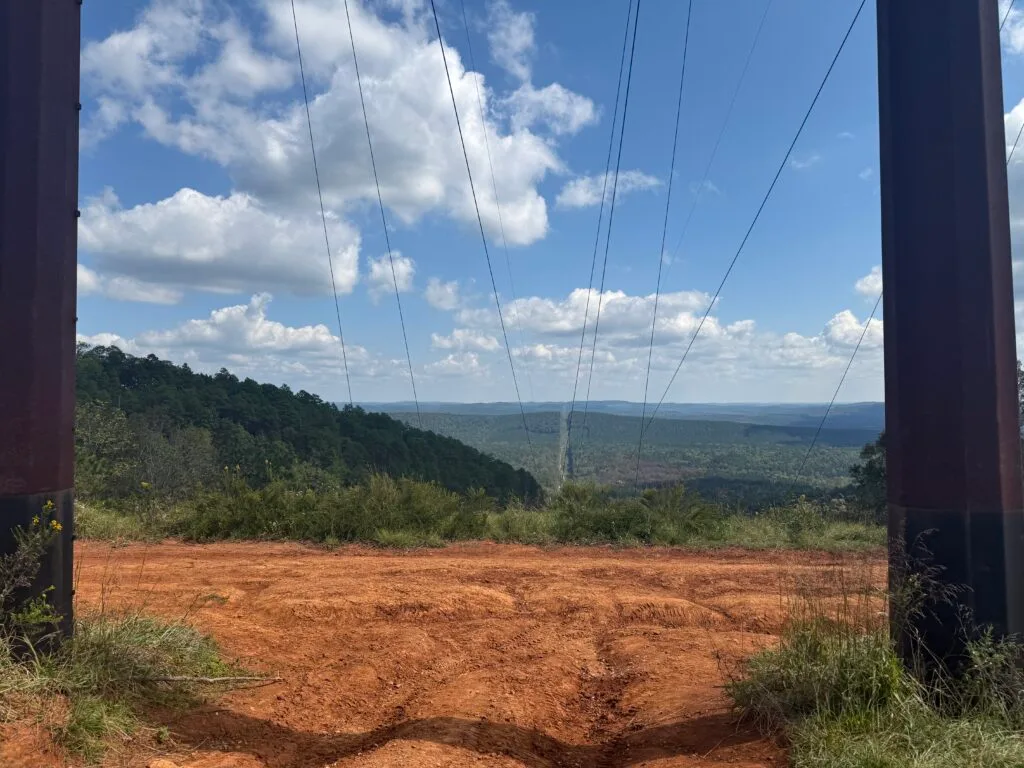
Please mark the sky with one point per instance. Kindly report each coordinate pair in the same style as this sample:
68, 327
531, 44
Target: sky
201, 238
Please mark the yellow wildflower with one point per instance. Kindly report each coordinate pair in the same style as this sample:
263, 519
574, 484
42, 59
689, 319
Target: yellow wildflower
56, 526
145, 485
48, 506
35, 520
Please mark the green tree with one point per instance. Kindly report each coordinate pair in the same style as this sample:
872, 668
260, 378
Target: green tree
869, 488
869, 482
106, 453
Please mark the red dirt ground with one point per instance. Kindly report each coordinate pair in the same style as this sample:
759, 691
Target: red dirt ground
474, 655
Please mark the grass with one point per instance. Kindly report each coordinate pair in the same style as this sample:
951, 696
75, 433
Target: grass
405, 513
107, 678
836, 689
96, 521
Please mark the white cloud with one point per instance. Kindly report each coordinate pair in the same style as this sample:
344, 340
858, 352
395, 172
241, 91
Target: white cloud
554, 107
196, 79
623, 317
586, 190
1013, 29
871, 284
845, 330
220, 244
846, 135
805, 162
457, 364
867, 173
245, 340
464, 338
444, 296
380, 279
730, 360
91, 283
510, 35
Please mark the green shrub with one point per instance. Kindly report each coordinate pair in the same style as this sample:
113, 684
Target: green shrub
821, 667
845, 700
98, 521
516, 524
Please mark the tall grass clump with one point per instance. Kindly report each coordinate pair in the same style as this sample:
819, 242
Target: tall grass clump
114, 669
835, 688
94, 688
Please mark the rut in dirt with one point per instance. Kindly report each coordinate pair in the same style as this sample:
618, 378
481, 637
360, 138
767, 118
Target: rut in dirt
501, 656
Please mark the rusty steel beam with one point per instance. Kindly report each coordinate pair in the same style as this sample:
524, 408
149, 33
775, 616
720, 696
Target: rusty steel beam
39, 107
952, 433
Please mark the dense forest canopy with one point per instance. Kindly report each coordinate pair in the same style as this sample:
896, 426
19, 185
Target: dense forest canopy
242, 423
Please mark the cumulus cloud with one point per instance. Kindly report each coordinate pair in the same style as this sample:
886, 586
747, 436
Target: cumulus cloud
457, 364
444, 296
195, 78
728, 357
845, 330
464, 338
91, 283
382, 281
510, 35
729, 361
586, 190
871, 284
553, 107
220, 244
245, 340
622, 315
1013, 29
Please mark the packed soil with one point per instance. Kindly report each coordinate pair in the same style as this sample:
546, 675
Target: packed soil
473, 655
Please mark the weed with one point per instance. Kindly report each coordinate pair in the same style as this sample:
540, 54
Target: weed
109, 672
837, 688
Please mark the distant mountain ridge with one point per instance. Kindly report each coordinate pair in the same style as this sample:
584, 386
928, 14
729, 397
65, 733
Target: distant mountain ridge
865, 416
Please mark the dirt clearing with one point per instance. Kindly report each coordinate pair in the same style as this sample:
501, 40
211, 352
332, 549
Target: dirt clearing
475, 655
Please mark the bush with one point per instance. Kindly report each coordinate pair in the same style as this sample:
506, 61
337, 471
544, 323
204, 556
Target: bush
821, 668
845, 700
415, 511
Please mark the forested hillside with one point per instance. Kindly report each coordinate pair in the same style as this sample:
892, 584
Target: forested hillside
223, 421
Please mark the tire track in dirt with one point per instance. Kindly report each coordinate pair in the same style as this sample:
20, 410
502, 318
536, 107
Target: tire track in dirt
474, 655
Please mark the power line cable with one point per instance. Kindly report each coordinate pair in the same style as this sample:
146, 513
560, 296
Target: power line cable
494, 186
480, 221
600, 219
320, 196
664, 233
835, 394
1021, 131
721, 133
757, 215
1015, 142
1006, 15
611, 214
383, 217
874, 311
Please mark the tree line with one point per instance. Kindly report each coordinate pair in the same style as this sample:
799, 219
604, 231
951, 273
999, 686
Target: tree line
143, 420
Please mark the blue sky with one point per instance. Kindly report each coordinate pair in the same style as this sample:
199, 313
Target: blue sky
201, 241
